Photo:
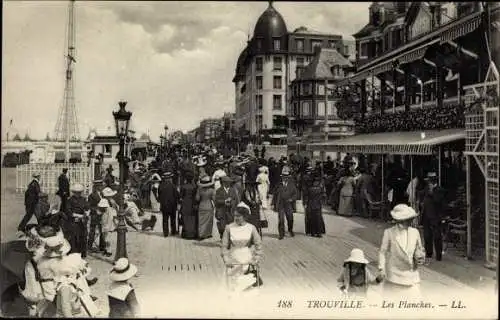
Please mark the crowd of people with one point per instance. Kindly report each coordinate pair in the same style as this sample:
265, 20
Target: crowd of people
194, 189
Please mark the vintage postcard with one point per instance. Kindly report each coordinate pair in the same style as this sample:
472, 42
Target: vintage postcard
265, 159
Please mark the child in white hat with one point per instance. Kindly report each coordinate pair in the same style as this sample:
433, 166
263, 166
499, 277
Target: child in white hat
121, 295
356, 278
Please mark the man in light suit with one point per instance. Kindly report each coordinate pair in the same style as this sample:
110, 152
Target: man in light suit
284, 200
226, 199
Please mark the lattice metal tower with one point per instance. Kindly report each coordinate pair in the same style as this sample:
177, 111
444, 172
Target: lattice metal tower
67, 121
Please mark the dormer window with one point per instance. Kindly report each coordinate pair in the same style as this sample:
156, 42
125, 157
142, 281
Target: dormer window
299, 43
259, 44
277, 44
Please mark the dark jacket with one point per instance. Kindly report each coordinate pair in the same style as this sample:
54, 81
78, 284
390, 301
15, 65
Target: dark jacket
433, 205
223, 210
285, 197
63, 183
168, 196
314, 196
32, 195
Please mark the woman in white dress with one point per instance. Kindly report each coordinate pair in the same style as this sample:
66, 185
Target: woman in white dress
238, 240
400, 254
263, 185
155, 184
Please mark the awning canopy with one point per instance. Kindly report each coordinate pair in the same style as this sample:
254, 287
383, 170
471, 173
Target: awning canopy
403, 143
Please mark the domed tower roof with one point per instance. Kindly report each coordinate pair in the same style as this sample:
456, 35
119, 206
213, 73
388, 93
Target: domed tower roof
270, 24
240, 65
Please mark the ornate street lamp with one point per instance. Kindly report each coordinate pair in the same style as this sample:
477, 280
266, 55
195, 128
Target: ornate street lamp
122, 120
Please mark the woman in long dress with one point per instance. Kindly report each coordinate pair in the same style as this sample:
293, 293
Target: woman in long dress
401, 252
346, 200
188, 212
252, 199
314, 196
155, 184
263, 185
242, 248
205, 196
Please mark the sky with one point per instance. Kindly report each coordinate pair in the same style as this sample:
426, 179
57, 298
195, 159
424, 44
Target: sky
173, 62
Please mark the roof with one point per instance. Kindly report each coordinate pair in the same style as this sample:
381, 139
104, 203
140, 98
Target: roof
320, 66
270, 24
304, 30
364, 31
413, 142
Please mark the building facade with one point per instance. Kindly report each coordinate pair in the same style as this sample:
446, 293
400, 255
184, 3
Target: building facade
209, 129
313, 89
267, 65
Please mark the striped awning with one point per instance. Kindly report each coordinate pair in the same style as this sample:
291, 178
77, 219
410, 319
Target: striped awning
403, 143
461, 29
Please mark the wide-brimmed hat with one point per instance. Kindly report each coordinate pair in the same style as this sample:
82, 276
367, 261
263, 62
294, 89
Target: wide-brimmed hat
77, 187
167, 175
431, 175
205, 181
98, 181
402, 212
285, 172
155, 177
226, 179
56, 246
202, 161
123, 270
108, 192
36, 175
243, 209
358, 256
103, 203
69, 265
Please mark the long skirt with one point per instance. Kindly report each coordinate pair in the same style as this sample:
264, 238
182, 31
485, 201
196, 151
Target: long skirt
315, 224
155, 205
263, 189
189, 223
205, 222
346, 206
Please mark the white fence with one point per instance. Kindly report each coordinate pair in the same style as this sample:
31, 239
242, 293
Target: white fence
49, 172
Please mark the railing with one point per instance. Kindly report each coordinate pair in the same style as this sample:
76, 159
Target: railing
450, 116
49, 172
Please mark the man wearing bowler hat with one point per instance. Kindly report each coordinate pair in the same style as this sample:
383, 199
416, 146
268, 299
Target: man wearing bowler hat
285, 197
226, 199
63, 190
76, 227
433, 201
168, 197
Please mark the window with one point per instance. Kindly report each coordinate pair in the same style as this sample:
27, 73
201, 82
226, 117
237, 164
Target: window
277, 44
321, 89
259, 64
277, 102
332, 43
363, 49
331, 108
277, 63
259, 44
299, 43
315, 43
306, 88
320, 110
295, 111
306, 108
258, 101
300, 61
107, 148
346, 50
277, 82
258, 81
298, 71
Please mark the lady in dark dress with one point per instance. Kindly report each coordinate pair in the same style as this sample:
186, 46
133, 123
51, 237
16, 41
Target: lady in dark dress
251, 198
188, 212
315, 225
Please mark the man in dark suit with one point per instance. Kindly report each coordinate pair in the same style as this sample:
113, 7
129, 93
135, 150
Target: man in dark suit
63, 191
433, 203
31, 199
78, 212
95, 217
285, 197
226, 199
168, 196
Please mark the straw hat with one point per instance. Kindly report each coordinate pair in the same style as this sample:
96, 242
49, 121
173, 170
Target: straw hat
123, 270
56, 246
77, 187
431, 175
202, 161
285, 172
205, 182
155, 177
103, 203
168, 175
36, 175
358, 256
403, 212
108, 192
243, 209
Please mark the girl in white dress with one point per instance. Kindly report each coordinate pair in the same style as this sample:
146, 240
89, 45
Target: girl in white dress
263, 185
155, 204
